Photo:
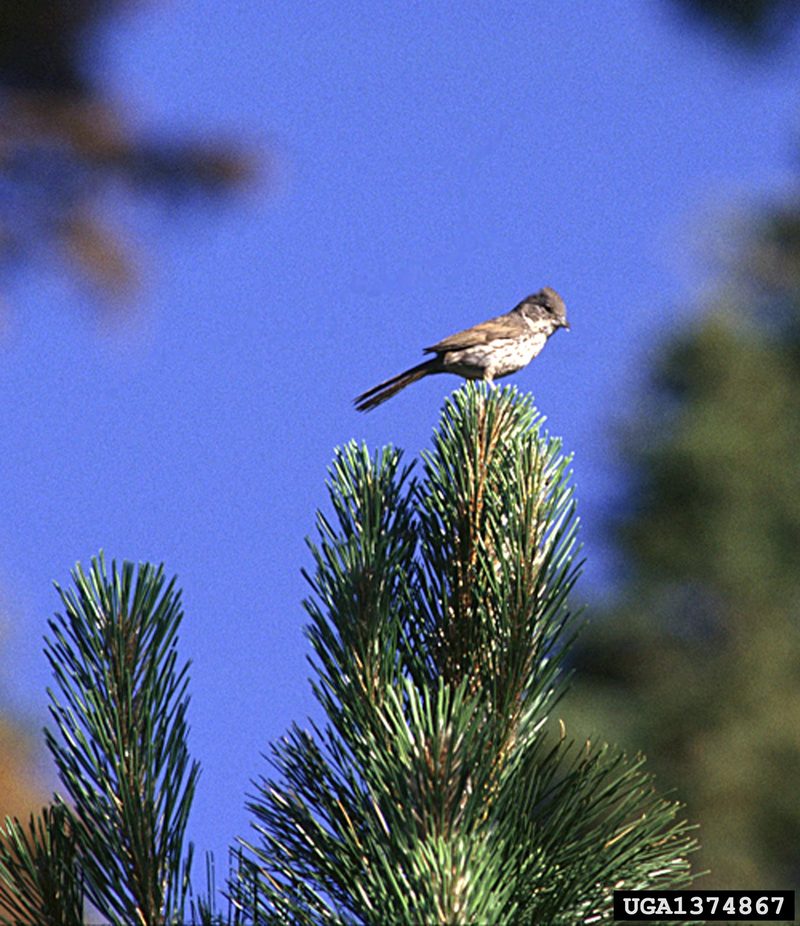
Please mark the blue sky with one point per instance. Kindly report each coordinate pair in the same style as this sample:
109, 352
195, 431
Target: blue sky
432, 165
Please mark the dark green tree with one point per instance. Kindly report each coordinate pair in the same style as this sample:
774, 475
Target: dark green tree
697, 659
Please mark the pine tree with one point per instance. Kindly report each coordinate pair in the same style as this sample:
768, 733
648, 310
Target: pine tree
441, 787
438, 791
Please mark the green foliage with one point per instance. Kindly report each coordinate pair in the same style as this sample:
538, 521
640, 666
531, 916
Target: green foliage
120, 749
40, 880
122, 755
719, 472
437, 790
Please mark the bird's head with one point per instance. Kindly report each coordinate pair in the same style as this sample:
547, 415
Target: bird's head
546, 304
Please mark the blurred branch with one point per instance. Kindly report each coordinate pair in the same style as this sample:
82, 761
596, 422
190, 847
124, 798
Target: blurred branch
757, 23
64, 145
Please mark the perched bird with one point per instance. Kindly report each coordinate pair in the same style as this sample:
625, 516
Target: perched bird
488, 351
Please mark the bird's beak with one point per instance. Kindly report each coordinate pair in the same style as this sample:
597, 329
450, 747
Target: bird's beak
565, 324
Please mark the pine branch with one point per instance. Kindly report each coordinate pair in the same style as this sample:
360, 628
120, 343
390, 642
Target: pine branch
40, 881
121, 754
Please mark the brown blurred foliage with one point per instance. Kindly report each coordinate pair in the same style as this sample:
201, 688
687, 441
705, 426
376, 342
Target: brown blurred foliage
64, 145
20, 792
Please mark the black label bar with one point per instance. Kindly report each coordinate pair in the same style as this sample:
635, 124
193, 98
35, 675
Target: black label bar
711, 906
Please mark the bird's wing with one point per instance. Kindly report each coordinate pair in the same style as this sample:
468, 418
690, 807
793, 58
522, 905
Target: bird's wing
509, 325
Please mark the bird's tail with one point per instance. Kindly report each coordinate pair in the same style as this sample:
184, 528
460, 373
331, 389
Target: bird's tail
380, 393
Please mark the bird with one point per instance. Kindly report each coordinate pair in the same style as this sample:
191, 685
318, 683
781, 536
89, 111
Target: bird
488, 351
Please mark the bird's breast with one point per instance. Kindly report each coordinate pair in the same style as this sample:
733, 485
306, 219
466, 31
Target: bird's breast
498, 358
